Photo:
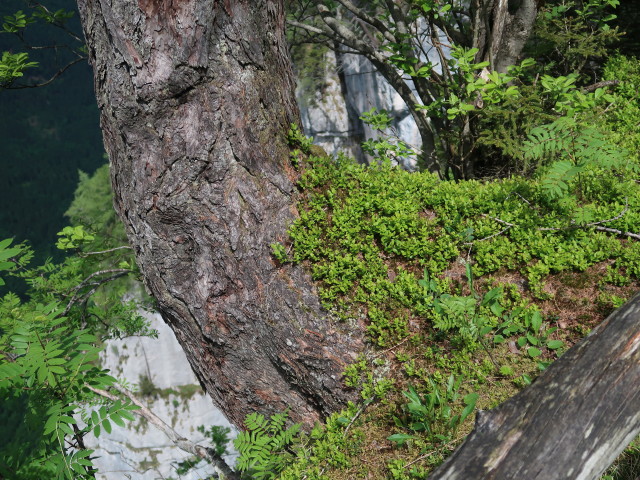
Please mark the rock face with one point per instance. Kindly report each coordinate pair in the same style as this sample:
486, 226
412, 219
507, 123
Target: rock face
165, 381
352, 87
326, 116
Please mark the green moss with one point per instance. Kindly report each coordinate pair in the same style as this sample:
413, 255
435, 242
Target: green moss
395, 246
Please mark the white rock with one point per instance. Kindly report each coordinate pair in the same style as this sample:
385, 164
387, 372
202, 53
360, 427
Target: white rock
140, 451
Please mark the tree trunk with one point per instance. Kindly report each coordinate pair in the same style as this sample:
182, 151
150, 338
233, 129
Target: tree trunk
500, 30
195, 99
572, 422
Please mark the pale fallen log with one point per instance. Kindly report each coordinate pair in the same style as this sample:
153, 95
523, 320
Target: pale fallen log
572, 422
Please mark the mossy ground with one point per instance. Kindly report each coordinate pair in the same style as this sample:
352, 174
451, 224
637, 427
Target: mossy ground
405, 251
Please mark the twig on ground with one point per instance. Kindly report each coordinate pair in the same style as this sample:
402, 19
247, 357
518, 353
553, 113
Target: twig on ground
394, 347
596, 225
619, 232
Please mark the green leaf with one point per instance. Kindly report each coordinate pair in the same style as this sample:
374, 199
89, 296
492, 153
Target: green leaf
12, 252
117, 419
79, 469
85, 461
536, 321
554, 344
534, 352
400, 438
470, 402
66, 419
65, 428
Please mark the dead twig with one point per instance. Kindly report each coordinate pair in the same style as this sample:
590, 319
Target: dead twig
123, 247
619, 232
573, 226
394, 347
117, 273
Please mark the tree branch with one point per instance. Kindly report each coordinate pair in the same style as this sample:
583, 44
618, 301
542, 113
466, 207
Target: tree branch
47, 82
123, 247
597, 226
619, 232
374, 22
304, 26
344, 35
117, 273
595, 86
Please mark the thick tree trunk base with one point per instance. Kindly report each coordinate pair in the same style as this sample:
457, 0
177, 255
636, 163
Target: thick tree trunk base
196, 98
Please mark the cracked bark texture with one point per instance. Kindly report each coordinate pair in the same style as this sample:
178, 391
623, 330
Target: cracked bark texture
500, 30
572, 422
195, 98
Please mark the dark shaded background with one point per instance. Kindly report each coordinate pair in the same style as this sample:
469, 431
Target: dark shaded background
46, 135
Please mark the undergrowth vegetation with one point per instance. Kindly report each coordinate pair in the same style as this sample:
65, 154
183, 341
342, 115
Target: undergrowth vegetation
458, 283
469, 289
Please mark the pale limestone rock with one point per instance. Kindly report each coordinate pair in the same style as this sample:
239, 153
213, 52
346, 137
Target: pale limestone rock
140, 451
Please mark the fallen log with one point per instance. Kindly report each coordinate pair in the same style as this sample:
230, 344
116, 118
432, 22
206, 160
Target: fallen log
572, 422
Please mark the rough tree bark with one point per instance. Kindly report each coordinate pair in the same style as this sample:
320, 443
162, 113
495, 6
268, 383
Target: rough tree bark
572, 422
196, 98
500, 30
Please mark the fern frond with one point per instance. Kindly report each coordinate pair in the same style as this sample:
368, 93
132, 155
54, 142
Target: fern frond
555, 180
262, 445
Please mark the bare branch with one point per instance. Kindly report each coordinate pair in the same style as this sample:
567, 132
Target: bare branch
593, 224
123, 247
47, 82
619, 232
99, 272
595, 86
364, 16
117, 273
597, 225
489, 237
346, 36
307, 27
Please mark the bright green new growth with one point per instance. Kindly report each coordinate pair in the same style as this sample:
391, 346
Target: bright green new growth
367, 232
264, 445
47, 368
13, 65
567, 150
433, 412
